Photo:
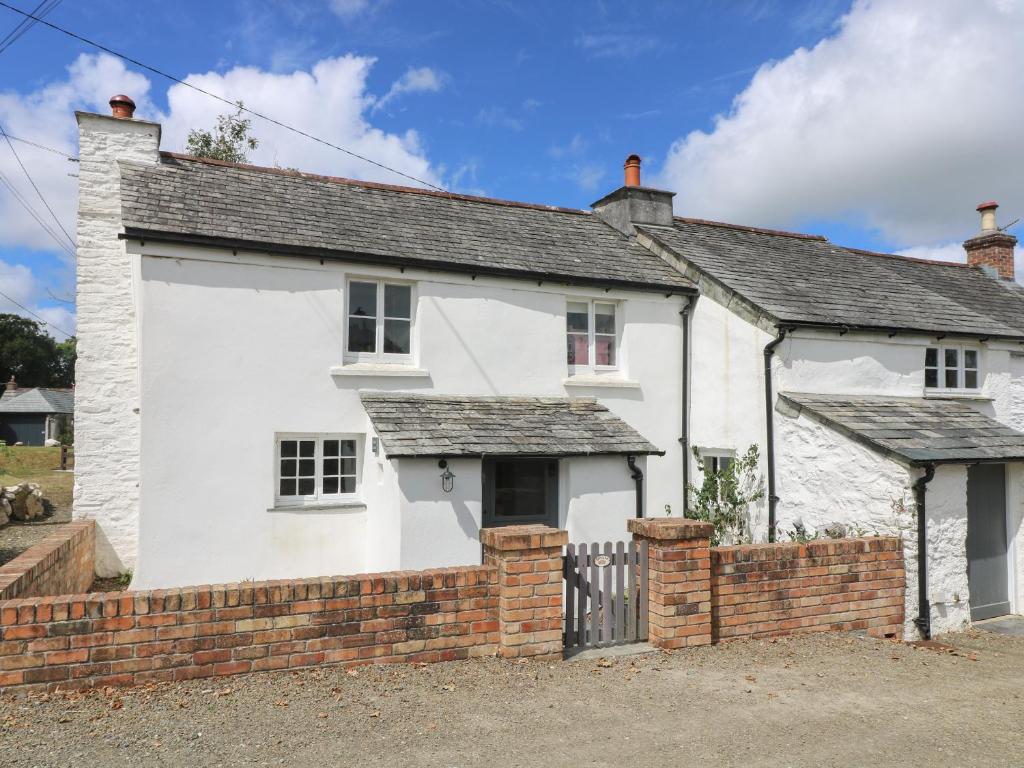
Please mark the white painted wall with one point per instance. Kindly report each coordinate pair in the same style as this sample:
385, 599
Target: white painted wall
238, 348
598, 496
106, 373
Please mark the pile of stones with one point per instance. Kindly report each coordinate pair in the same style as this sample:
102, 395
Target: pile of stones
23, 501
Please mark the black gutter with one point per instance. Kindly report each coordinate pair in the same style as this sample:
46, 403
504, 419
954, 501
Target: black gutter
924, 608
769, 414
142, 235
847, 327
638, 477
522, 455
684, 439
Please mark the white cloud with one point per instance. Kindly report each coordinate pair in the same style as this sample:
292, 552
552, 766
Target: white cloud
902, 121
616, 45
498, 117
955, 252
415, 80
349, 9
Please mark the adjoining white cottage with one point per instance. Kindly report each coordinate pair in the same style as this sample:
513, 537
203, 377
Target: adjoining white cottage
260, 348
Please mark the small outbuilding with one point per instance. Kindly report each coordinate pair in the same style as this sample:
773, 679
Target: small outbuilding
33, 416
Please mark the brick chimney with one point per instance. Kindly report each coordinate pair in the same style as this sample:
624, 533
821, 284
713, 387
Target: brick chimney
991, 248
635, 204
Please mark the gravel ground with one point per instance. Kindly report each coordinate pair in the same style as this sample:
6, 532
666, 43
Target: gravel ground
812, 701
16, 537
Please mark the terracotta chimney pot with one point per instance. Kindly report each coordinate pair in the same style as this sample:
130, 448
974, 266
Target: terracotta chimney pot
122, 106
632, 168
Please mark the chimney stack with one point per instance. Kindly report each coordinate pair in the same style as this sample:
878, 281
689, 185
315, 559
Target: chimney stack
991, 249
11, 385
122, 106
632, 169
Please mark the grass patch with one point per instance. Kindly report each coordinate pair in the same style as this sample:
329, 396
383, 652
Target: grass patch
25, 463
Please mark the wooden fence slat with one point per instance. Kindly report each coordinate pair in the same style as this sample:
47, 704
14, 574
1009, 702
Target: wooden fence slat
595, 596
581, 596
569, 567
642, 607
620, 565
606, 599
631, 566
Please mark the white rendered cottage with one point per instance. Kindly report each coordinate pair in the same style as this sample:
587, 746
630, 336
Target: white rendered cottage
285, 375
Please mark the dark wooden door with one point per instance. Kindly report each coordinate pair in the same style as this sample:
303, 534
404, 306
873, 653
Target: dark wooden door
518, 491
988, 574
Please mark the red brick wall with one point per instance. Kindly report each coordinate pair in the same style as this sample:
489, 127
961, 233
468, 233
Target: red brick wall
778, 589
85, 641
60, 564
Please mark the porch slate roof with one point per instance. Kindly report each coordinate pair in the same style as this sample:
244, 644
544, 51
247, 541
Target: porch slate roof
470, 426
806, 280
917, 430
39, 401
203, 201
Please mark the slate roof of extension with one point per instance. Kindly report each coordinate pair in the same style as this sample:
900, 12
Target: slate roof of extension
915, 429
285, 211
39, 401
453, 426
804, 279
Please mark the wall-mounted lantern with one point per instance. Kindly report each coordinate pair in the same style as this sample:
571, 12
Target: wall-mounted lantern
447, 477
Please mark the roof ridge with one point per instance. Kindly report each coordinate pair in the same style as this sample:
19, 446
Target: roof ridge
901, 257
747, 228
295, 174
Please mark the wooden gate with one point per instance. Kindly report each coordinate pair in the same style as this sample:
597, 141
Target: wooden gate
605, 594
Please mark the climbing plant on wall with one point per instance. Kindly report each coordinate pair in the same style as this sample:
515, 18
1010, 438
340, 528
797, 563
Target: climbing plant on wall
725, 495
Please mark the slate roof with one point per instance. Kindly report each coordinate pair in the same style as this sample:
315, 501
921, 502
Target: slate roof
39, 401
805, 279
467, 426
289, 212
916, 429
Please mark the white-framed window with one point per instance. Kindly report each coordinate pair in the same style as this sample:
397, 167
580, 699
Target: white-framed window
312, 468
951, 368
379, 321
716, 460
592, 338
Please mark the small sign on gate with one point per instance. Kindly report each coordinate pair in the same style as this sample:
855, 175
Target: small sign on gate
602, 561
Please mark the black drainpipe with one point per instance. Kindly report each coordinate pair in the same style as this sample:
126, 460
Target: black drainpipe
769, 413
638, 478
684, 439
924, 608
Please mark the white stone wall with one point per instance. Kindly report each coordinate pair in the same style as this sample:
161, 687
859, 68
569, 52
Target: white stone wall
106, 376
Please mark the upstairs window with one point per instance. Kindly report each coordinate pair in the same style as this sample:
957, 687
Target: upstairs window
316, 468
379, 321
591, 335
949, 368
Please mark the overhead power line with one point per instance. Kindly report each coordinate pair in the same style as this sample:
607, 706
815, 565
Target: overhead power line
32, 212
35, 187
60, 152
37, 317
26, 24
236, 104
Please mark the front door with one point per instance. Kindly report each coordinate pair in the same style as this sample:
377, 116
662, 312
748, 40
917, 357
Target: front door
518, 491
987, 562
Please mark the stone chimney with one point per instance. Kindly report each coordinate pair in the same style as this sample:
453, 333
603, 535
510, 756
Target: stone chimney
633, 203
11, 385
107, 397
991, 249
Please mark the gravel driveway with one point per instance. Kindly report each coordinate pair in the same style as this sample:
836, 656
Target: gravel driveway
813, 701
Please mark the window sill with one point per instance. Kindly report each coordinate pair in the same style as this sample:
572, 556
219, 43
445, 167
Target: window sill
952, 394
598, 380
378, 369
320, 506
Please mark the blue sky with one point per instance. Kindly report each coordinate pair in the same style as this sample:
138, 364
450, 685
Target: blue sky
841, 118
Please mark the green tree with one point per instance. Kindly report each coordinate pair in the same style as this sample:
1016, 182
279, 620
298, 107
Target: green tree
64, 367
724, 497
229, 140
32, 356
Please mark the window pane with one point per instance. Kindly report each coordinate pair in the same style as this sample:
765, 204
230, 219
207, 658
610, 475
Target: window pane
362, 299
931, 377
396, 336
331, 466
931, 357
307, 448
348, 485
604, 318
307, 487
331, 485
362, 334
288, 467
307, 468
578, 353
604, 350
289, 448
397, 301
971, 379
724, 462
348, 447
331, 447
951, 356
951, 378
576, 317
348, 466
287, 488
970, 358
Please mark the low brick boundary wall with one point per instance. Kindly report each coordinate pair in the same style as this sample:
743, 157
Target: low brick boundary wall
838, 585
62, 563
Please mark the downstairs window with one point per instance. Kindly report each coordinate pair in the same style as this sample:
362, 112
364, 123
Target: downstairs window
316, 468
